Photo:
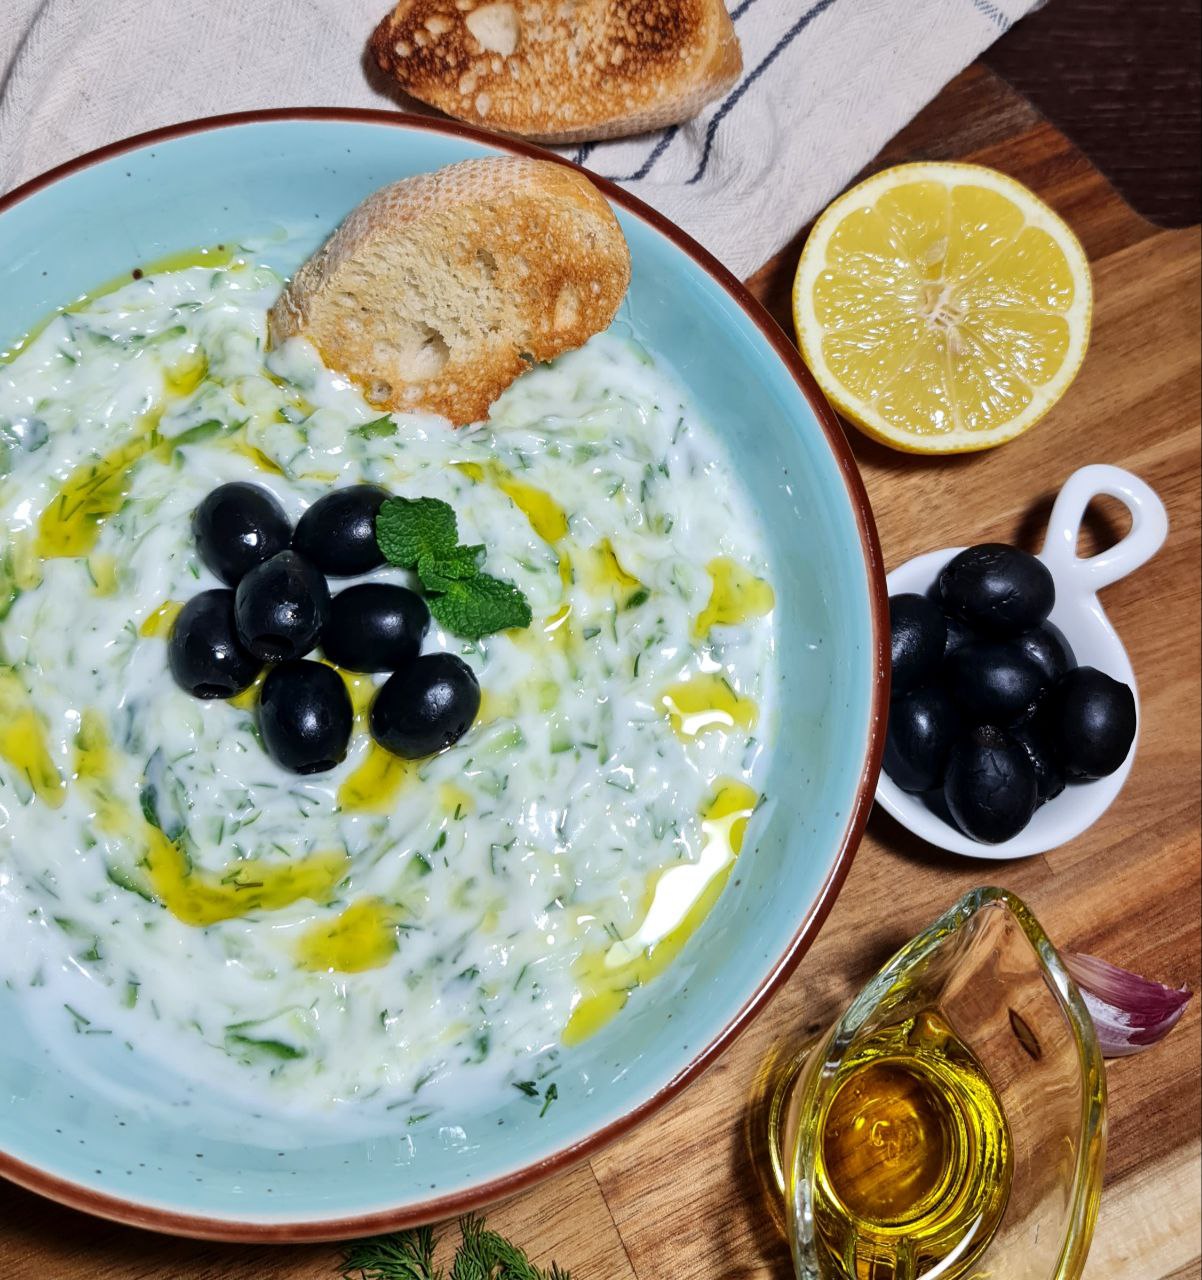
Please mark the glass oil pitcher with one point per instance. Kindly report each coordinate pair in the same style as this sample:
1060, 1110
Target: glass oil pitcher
951, 1124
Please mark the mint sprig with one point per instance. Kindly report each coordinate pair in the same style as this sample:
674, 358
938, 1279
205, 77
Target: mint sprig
409, 528
455, 566
423, 534
476, 607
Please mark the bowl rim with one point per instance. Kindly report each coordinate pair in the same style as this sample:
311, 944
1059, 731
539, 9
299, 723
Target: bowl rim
199, 1226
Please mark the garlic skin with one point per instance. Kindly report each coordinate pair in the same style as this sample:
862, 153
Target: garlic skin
1130, 1013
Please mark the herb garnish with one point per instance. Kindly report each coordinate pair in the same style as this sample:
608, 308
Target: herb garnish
423, 534
409, 1255
530, 1089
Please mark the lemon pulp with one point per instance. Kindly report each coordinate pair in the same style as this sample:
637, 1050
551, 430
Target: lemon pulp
942, 307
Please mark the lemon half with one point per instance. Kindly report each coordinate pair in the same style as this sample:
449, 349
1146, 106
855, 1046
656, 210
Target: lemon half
943, 308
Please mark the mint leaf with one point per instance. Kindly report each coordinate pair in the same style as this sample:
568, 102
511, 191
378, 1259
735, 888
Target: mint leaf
423, 534
455, 566
476, 607
409, 528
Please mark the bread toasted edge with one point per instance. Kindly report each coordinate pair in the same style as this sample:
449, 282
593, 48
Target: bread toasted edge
591, 262
682, 102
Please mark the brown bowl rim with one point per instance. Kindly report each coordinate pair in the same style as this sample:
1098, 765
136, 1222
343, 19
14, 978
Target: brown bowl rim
116, 1208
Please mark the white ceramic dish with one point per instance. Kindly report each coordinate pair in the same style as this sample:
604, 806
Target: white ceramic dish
1079, 614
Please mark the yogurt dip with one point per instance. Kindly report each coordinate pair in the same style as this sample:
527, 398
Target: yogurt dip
388, 927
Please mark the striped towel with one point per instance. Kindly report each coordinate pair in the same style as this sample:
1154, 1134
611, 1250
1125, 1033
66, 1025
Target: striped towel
825, 84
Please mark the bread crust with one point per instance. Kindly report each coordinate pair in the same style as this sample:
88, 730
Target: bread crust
561, 70
438, 291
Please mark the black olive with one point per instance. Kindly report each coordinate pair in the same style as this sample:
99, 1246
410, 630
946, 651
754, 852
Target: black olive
305, 716
919, 635
1091, 719
281, 607
959, 633
238, 526
994, 683
1000, 590
922, 725
1034, 740
338, 532
990, 785
375, 626
426, 707
205, 655
1048, 648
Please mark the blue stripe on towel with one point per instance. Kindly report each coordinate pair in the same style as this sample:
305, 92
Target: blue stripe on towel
783, 43
665, 139
658, 150
736, 14
993, 13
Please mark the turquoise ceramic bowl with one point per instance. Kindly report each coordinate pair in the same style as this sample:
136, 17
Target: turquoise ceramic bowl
168, 1157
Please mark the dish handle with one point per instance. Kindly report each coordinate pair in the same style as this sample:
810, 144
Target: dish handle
1149, 528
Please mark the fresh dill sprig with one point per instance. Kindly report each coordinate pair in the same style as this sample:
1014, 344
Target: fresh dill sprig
485, 1255
409, 1255
403, 1255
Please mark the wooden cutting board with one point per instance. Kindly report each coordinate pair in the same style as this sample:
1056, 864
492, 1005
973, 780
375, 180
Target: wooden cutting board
678, 1199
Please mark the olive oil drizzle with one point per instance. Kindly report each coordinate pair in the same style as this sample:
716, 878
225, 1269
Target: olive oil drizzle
23, 742
374, 785
705, 704
158, 624
677, 901
200, 898
364, 936
735, 597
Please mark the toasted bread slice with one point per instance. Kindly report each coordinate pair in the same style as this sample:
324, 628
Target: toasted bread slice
438, 291
562, 70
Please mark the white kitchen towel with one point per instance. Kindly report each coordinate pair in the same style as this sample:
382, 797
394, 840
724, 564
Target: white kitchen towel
825, 84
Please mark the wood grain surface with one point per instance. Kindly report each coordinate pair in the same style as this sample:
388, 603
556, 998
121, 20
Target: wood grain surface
1124, 82
680, 1198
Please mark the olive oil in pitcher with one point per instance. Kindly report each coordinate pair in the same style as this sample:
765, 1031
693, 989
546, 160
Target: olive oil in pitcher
913, 1157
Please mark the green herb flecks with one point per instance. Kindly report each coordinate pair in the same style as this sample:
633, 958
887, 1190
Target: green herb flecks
530, 1088
378, 428
423, 534
201, 432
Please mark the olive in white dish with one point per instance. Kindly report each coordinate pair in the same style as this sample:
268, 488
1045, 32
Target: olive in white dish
919, 637
992, 716
1092, 717
990, 786
998, 589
